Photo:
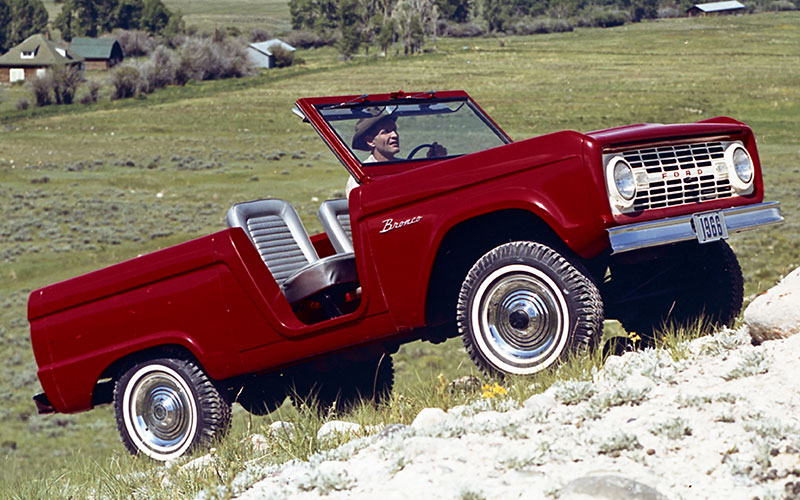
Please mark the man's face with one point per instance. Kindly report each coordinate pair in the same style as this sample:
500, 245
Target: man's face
385, 143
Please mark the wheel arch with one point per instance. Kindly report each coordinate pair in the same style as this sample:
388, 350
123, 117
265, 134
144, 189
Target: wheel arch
466, 241
103, 391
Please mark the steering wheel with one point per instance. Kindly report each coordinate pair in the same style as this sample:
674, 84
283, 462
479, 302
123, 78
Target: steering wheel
417, 149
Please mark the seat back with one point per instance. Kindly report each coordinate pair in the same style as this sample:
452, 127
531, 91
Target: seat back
277, 233
335, 218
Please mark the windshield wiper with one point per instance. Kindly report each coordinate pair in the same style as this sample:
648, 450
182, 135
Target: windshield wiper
361, 98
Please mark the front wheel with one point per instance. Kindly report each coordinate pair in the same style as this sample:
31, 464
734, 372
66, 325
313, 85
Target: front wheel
166, 407
523, 306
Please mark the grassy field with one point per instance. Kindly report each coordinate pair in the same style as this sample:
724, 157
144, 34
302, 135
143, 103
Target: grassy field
245, 15
87, 186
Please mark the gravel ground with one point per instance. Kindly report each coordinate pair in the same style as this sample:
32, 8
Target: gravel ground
723, 424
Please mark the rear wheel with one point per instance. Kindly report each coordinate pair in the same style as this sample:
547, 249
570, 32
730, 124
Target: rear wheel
691, 284
523, 307
167, 407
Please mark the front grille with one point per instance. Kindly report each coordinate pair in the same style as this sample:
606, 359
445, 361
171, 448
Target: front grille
679, 175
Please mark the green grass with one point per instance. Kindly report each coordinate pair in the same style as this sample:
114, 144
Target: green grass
79, 188
206, 15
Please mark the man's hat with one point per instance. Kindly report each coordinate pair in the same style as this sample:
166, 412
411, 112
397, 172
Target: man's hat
364, 125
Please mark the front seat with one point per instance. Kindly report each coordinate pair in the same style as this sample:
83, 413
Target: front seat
283, 243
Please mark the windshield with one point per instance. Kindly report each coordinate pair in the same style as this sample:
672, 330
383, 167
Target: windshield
391, 132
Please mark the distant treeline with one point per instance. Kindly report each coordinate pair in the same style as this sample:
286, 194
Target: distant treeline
350, 24
20, 19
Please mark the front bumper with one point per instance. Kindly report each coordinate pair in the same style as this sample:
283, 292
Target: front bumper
676, 229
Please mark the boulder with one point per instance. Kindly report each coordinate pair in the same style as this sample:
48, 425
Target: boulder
776, 313
608, 487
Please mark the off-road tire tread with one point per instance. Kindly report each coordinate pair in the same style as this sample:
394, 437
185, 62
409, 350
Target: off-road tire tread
214, 409
587, 302
723, 283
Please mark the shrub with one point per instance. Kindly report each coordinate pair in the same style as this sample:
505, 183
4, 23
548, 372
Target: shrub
308, 39
135, 43
125, 81
205, 59
667, 12
463, 30
41, 86
282, 57
781, 5
159, 71
259, 35
23, 103
603, 18
540, 25
92, 92
65, 81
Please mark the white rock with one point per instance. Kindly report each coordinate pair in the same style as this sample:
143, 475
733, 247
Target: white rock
543, 401
260, 442
338, 427
429, 417
776, 313
280, 428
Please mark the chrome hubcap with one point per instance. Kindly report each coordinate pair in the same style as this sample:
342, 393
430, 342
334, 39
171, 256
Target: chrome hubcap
162, 412
521, 317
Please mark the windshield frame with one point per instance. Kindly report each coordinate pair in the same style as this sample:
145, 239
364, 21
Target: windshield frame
310, 109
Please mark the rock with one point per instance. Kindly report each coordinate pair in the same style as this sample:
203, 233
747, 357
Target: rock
776, 313
280, 428
338, 427
260, 442
391, 429
429, 417
543, 401
608, 487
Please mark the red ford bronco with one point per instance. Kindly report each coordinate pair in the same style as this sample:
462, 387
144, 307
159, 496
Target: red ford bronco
521, 248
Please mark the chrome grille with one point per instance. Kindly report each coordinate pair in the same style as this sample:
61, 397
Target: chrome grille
679, 175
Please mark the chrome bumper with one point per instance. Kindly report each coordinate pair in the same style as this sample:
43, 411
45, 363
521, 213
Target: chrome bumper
677, 229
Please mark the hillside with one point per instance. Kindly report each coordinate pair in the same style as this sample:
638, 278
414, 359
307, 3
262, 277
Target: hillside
82, 187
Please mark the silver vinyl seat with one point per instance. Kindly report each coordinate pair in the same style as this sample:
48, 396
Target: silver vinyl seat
283, 243
335, 218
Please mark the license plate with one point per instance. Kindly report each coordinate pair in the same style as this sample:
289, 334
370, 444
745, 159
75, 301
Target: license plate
710, 226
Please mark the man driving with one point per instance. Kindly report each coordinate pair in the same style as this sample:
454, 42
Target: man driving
378, 135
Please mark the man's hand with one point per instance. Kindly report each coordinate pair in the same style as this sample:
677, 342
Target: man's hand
436, 150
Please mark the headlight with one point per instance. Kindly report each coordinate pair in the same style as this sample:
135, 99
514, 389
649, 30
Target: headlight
623, 179
740, 166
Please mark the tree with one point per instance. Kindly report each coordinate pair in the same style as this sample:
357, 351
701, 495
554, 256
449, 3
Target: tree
28, 17
457, 11
155, 16
351, 19
302, 14
5, 21
129, 14
387, 34
77, 18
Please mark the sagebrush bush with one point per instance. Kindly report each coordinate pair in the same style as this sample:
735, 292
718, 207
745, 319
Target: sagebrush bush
64, 81
669, 12
206, 59
310, 40
125, 82
158, 71
135, 43
92, 92
540, 25
603, 18
23, 103
259, 35
781, 5
463, 30
282, 57
42, 87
